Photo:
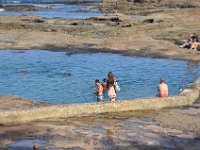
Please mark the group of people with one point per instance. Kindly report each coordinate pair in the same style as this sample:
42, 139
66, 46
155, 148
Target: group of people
108, 85
192, 42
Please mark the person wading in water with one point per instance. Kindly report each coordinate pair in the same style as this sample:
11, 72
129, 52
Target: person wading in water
99, 91
162, 88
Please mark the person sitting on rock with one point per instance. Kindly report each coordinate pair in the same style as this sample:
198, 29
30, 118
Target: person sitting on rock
162, 88
192, 41
195, 41
187, 44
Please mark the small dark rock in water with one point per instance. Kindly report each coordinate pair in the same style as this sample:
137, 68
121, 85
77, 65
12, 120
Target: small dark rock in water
67, 74
36, 146
23, 72
70, 53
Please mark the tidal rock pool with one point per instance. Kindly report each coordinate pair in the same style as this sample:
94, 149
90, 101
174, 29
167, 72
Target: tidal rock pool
62, 78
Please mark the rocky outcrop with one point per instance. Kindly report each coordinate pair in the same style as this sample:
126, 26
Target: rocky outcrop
187, 97
163, 3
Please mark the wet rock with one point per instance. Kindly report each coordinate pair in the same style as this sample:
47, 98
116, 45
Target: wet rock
80, 23
179, 42
159, 21
138, 1
115, 19
38, 20
74, 24
89, 44
126, 25
149, 21
50, 30
179, 5
24, 8
198, 47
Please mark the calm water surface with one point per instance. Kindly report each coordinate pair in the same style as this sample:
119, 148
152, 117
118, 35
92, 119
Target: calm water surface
64, 11
44, 75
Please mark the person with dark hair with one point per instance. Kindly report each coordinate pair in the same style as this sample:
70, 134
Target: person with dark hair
192, 42
99, 91
188, 42
111, 78
111, 91
104, 84
195, 41
162, 88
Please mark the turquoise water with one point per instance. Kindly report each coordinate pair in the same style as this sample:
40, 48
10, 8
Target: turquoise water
58, 77
64, 11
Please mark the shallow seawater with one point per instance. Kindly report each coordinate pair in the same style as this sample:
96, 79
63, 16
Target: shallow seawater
27, 144
60, 78
57, 10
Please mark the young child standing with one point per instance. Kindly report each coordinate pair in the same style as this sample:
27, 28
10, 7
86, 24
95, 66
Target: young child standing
99, 91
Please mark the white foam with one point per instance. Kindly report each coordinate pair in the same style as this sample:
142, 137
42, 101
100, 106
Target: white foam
1, 9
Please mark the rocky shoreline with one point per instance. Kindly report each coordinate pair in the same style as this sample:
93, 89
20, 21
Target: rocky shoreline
177, 128
157, 129
146, 30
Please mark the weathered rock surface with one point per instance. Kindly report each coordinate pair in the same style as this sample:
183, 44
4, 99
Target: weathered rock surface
152, 35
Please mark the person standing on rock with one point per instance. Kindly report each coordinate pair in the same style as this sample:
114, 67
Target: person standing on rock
162, 88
